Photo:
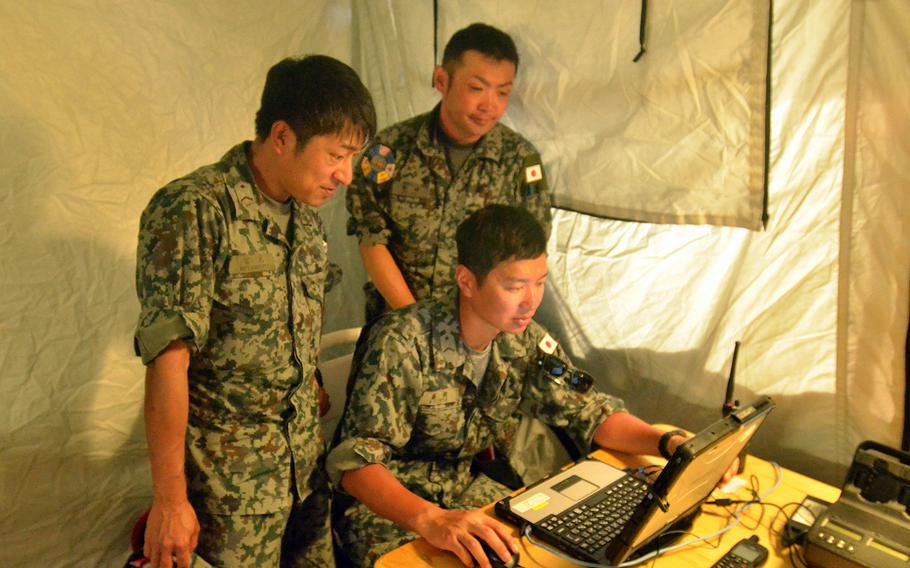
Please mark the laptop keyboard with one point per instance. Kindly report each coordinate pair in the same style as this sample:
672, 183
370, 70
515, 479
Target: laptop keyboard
594, 524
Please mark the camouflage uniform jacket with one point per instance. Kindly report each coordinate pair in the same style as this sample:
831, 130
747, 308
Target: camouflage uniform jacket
415, 408
404, 196
214, 271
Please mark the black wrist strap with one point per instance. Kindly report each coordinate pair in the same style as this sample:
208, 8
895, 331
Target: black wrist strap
662, 443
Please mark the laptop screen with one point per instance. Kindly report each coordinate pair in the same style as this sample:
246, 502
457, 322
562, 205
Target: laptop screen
695, 470
683, 484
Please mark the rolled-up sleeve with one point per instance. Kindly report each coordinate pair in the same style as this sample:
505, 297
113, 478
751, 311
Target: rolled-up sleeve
381, 408
179, 237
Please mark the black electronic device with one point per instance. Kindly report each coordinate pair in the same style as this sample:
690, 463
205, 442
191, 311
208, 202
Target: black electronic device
494, 559
802, 519
747, 553
731, 405
598, 513
869, 525
575, 379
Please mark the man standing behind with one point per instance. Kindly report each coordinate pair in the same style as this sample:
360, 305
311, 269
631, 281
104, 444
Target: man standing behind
231, 273
420, 178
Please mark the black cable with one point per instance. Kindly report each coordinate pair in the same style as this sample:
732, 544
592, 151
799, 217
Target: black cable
794, 548
646, 473
793, 555
657, 551
435, 38
641, 30
754, 487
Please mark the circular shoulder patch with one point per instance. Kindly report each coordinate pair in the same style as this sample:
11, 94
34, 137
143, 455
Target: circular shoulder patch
378, 163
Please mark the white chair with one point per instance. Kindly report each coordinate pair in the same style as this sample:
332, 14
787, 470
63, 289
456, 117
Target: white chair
335, 373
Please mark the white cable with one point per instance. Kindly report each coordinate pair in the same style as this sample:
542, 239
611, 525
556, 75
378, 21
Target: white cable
662, 551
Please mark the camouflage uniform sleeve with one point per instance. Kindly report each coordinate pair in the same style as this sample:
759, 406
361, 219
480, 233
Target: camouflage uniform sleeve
179, 236
553, 402
368, 219
381, 407
536, 196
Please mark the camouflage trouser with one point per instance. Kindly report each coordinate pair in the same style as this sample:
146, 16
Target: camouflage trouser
366, 536
296, 538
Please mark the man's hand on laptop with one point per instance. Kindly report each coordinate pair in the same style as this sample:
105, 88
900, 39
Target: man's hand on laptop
676, 440
460, 531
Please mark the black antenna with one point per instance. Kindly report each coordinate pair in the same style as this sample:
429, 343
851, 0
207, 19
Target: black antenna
731, 405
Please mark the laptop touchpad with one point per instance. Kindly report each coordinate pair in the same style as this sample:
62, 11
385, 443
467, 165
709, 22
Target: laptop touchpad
575, 488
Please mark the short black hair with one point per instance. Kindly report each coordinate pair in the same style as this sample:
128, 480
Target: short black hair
497, 233
492, 42
315, 95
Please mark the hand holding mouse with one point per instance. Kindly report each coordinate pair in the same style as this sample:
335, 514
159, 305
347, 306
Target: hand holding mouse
495, 560
466, 533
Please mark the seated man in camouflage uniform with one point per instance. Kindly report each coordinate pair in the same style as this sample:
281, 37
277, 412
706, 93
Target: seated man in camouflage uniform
231, 271
439, 381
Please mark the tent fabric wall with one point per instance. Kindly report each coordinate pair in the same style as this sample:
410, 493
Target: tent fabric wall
675, 137
654, 310
875, 232
103, 103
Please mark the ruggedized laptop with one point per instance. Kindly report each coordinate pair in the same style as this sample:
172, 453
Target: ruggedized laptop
598, 513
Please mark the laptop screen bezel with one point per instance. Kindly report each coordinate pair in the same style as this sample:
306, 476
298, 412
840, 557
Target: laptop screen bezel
731, 434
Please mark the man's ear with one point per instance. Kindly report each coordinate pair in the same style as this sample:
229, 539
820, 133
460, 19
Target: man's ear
441, 79
466, 281
282, 137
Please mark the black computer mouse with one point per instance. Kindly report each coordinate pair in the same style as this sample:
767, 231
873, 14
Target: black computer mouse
495, 560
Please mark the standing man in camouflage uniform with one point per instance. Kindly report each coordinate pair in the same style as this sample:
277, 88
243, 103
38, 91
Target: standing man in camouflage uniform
439, 381
421, 177
231, 273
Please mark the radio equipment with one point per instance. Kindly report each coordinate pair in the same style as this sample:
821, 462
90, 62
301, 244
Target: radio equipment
869, 525
731, 405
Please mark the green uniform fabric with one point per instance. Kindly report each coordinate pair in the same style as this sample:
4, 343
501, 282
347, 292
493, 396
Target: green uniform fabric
247, 298
366, 537
415, 206
296, 538
416, 408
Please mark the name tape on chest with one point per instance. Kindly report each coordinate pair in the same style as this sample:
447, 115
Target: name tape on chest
444, 396
378, 163
252, 263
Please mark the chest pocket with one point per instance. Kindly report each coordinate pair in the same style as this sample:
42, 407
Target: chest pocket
412, 213
250, 284
308, 271
308, 312
314, 286
247, 313
440, 417
502, 409
252, 276
411, 192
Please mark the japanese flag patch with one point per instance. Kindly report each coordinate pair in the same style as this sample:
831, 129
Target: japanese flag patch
547, 344
378, 164
533, 173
